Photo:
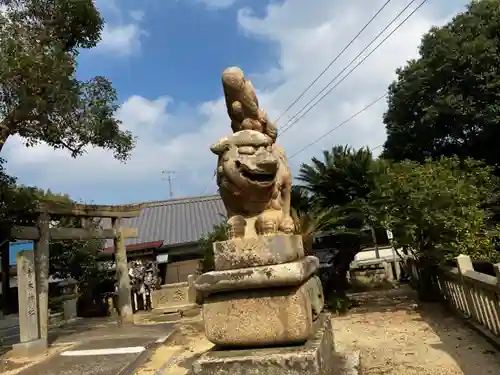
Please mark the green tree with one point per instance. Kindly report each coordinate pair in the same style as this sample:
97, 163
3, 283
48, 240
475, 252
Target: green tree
41, 98
437, 210
308, 217
310, 221
300, 199
218, 233
344, 175
16, 202
341, 184
447, 101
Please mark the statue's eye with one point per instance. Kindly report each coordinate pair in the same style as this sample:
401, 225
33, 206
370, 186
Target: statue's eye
246, 150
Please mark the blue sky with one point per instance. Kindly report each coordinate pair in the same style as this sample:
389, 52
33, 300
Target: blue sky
165, 58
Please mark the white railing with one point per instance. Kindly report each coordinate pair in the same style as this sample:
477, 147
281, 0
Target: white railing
473, 294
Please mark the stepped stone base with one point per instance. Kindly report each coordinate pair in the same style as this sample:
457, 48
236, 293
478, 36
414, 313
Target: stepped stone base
259, 317
316, 357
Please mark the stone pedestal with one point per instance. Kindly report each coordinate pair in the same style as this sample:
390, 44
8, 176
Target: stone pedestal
260, 293
258, 317
30, 348
316, 357
262, 308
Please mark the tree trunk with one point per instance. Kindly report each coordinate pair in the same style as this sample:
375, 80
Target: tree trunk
336, 284
307, 242
427, 285
4, 135
374, 238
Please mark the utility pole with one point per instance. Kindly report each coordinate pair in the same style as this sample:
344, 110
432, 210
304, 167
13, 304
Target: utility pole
169, 175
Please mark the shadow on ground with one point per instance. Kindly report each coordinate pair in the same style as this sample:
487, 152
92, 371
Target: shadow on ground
397, 299
455, 337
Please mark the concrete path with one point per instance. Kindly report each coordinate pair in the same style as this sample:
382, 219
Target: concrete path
105, 349
9, 326
9, 321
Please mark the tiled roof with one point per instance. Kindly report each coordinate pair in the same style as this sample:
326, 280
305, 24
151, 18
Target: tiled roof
175, 221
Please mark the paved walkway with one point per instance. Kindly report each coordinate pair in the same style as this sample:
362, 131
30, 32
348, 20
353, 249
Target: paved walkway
9, 321
95, 346
396, 336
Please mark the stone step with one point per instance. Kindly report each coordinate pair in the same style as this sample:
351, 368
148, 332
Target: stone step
316, 357
270, 276
166, 309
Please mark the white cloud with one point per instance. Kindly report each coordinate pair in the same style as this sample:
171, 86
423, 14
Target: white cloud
137, 15
308, 37
217, 4
120, 37
122, 40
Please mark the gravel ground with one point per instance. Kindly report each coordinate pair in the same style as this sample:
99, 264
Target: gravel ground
397, 336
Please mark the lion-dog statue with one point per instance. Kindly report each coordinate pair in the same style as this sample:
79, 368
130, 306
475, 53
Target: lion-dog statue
252, 170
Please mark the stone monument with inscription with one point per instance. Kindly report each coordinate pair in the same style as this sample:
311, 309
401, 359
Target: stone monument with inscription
263, 303
29, 326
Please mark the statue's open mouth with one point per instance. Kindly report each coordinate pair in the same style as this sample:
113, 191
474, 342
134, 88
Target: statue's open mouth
255, 175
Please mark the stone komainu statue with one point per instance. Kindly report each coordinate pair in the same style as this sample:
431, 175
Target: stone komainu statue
263, 290
252, 170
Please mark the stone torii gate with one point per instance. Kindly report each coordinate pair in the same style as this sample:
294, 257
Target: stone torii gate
33, 267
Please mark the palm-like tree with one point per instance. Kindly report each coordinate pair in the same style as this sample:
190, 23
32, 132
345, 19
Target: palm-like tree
344, 175
310, 221
340, 186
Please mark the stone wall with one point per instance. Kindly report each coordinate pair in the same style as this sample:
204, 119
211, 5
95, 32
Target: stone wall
172, 295
370, 274
178, 272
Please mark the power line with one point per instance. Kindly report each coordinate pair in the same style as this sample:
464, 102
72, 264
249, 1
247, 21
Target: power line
339, 125
298, 116
333, 61
208, 185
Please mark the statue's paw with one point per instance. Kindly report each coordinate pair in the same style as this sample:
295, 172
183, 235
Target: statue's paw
266, 225
287, 225
236, 227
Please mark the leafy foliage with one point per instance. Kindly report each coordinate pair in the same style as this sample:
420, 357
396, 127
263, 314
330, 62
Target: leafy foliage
300, 198
219, 233
339, 186
342, 176
447, 102
16, 202
70, 258
310, 221
40, 97
437, 209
